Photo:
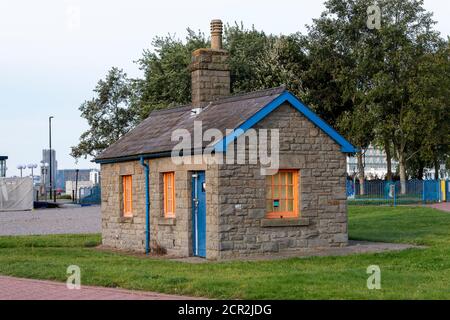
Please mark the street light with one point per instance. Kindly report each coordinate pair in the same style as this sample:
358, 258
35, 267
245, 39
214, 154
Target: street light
50, 146
44, 171
21, 167
32, 166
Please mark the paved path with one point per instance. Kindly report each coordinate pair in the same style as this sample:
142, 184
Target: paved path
25, 289
51, 221
444, 206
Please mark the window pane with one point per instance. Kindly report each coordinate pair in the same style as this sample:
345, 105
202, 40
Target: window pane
290, 192
290, 205
283, 206
281, 195
282, 178
289, 178
169, 194
276, 192
127, 196
283, 192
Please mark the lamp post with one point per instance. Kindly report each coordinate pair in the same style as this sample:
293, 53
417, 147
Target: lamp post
50, 156
44, 166
32, 166
21, 167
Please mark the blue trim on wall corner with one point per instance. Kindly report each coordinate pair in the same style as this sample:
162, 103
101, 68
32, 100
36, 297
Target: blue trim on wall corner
346, 147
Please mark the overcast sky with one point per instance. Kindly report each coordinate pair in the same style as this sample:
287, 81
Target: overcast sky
53, 52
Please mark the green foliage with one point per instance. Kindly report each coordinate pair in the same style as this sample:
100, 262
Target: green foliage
108, 114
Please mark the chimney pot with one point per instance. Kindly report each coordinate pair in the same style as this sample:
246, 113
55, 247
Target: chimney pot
210, 71
216, 34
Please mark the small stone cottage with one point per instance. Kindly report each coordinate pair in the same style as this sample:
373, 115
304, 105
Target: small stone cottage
195, 205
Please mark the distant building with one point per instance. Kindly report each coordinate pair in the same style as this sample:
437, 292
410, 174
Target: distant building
94, 176
444, 173
3, 166
71, 186
375, 164
65, 175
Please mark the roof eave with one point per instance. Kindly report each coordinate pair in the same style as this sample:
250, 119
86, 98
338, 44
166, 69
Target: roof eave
133, 157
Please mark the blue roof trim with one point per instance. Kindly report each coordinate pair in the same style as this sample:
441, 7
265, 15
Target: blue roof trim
346, 147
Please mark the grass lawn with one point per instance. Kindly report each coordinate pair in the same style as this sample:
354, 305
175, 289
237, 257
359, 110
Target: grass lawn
410, 274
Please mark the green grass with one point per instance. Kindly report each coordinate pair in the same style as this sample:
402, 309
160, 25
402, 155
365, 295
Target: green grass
410, 274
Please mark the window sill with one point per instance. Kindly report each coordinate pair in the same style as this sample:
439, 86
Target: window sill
292, 222
126, 219
167, 221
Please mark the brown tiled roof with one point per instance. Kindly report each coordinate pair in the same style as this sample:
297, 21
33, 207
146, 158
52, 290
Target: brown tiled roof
153, 135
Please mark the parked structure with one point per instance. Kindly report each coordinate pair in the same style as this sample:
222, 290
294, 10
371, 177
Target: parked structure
202, 207
375, 164
16, 194
3, 166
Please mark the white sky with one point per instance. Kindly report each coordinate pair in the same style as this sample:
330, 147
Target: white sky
50, 60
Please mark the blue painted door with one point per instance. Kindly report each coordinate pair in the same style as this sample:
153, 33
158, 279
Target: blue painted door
199, 214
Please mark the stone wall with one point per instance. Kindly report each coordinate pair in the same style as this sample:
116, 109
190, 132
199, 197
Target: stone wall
172, 236
322, 199
118, 231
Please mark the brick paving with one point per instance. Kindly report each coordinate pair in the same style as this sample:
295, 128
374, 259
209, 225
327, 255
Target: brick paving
25, 289
444, 206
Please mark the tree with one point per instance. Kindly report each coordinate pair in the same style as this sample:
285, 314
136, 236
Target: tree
406, 35
430, 92
108, 115
343, 56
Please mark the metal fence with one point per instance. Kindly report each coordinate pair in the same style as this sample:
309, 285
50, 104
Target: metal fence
389, 192
90, 195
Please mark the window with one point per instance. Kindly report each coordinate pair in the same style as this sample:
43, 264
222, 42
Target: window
282, 195
127, 182
169, 195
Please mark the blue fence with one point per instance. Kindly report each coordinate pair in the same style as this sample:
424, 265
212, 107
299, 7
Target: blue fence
90, 195
390, 193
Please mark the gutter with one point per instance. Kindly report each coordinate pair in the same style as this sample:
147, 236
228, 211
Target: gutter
147, 205
134, 158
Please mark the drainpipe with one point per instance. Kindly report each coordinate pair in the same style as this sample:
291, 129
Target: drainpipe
147, 206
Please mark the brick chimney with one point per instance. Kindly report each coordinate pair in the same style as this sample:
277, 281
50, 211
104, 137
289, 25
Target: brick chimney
210, 73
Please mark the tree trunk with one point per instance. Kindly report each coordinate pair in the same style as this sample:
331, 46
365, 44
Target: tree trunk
420, 172
402, 169
359, 156
436, 169
387, 149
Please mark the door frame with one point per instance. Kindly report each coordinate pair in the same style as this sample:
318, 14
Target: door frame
195, 213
